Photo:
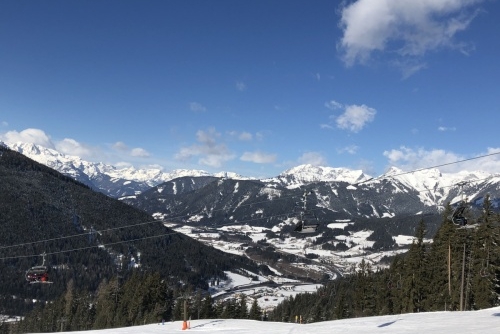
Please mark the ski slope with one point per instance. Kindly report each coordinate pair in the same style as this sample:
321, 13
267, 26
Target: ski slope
483, 321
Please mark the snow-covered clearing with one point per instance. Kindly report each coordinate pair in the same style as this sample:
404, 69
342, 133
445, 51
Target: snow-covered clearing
483, 321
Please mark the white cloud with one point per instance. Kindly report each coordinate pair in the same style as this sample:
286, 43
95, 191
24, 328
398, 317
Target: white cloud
408, 27
351, 149
258, 157
240, 85
408, 158
197, 107
245, 136
333, 105
4, 123
120, 146
72, 147
313, 158
411, 159
325, 126
34, 136
444, 129
408, 67
116, 154
134, 152
210, 152
355, 117
139, 152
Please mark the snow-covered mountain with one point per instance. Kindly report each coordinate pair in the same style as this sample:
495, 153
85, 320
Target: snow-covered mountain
430, 186
122, 182
435, 188
113, 181
304, 174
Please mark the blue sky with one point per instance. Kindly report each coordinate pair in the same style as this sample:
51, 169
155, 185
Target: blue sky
254, 87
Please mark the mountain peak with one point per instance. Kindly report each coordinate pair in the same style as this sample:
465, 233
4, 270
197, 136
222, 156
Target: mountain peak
307, 173
126, 181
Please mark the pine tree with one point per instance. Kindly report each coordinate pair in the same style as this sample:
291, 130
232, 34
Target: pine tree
255, 311
441, 290
197, 305
243, 308
219, 309
106, 304
229, 311
177, 313
415, 279
207, 308
485, 248
364, 294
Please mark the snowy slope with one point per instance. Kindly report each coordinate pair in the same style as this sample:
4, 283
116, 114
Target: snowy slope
484, 321
434, 187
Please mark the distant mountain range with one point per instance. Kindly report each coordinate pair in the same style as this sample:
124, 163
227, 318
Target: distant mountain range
431, 187
344, 201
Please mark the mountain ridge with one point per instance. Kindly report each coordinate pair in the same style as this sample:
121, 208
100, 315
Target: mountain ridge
431, 186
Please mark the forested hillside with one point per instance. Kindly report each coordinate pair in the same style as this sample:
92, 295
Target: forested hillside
88, 237
207, 201
459, 270
144, 298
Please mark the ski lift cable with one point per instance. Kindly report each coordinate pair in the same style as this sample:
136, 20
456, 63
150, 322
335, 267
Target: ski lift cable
78, 235
165, 221
91, 247
431, 167
118, 242
243, 221
131, 240
120, 227
460, 184
129, 226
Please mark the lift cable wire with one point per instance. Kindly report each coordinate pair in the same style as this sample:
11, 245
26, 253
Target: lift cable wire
90, 247
125, 241
128, 226
451, 185
78, 235
425, 168
144, 223
221, 225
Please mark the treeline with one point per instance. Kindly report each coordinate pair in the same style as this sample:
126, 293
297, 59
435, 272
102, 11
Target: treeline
459, 270
143, 298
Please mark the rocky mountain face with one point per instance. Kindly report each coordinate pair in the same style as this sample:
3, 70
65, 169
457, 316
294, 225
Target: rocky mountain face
339, 193
223, 202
